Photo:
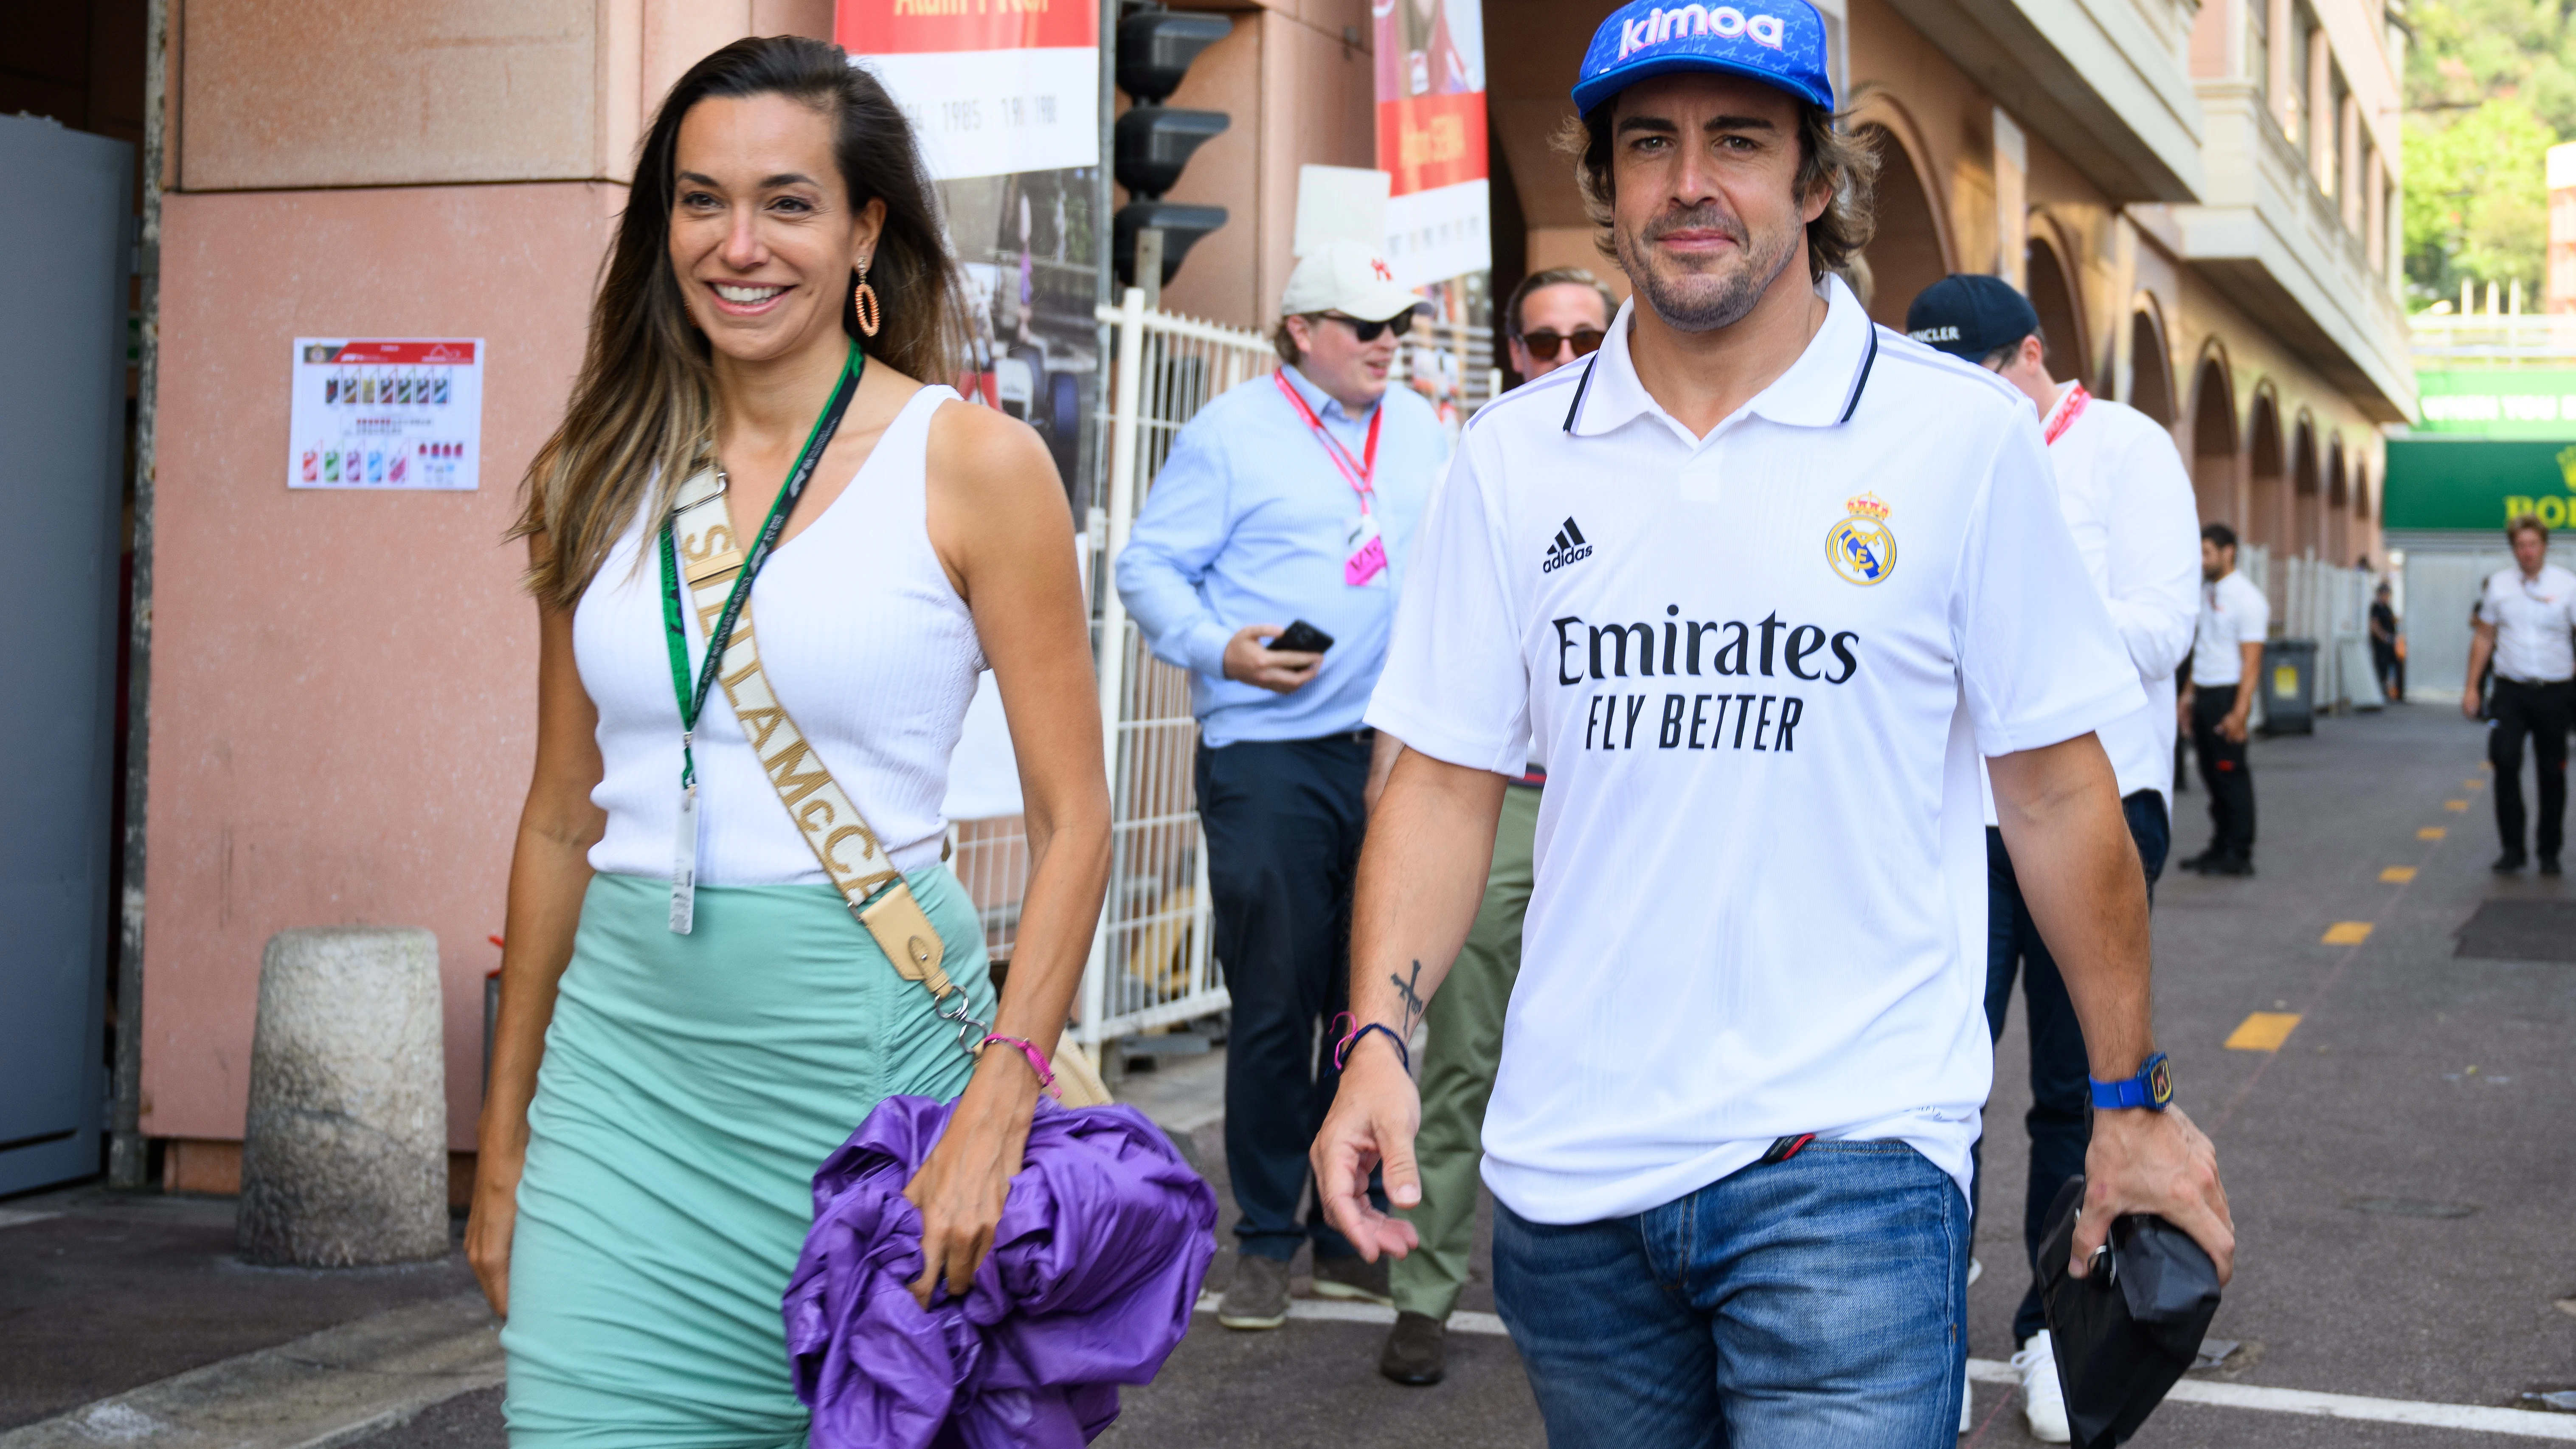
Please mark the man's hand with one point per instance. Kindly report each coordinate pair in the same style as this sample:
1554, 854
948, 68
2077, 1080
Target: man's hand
1281, 671
1376, 1111
2469, 704
2153, 1162
2233, 727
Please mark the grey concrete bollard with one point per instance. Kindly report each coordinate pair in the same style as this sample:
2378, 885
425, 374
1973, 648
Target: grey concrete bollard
344, 1161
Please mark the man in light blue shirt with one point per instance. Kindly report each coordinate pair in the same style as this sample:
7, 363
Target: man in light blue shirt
1292, 498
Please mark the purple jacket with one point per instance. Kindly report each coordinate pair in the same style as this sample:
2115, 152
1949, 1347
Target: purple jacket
1094, 1273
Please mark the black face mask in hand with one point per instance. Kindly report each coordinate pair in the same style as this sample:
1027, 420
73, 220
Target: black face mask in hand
2124, 1335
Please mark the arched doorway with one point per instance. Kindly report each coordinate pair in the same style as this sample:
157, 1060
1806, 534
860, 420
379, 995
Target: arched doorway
2306, 536
2214, 460
2263, 521
2338, 539
2365, 541
2053, 297
1905, 254
2150, 370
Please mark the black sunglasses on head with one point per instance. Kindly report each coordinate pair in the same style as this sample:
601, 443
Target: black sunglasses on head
1546, 343
1400, 323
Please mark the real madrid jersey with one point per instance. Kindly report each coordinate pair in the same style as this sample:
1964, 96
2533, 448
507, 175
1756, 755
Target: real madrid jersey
1762, 695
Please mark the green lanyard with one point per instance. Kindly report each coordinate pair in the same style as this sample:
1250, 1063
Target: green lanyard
675, 632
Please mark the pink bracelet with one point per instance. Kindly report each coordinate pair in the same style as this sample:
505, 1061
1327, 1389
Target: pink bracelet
1029, 1049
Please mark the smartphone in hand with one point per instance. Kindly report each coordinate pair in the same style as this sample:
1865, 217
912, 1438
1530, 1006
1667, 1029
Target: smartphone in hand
1303, 638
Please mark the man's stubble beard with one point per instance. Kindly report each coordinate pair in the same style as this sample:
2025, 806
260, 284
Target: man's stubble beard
1686, 308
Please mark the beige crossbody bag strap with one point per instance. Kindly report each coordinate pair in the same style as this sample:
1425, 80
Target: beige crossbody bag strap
824, 813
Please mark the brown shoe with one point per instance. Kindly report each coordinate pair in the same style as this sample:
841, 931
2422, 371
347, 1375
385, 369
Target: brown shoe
1258, 1296
1417, 1350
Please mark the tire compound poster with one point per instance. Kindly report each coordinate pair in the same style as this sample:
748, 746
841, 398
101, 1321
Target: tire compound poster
385, 413
1005, 98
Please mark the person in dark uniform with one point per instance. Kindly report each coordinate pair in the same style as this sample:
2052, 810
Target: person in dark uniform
2385, 661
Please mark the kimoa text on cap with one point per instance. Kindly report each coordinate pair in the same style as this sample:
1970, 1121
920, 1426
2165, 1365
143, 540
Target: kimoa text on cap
1724, 21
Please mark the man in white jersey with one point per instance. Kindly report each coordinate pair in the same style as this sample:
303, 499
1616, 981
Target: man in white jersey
2525, 617
1746, 1053
2127, 501
2226, 656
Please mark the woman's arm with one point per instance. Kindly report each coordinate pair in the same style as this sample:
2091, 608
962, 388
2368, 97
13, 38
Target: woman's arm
999, 521
549, 870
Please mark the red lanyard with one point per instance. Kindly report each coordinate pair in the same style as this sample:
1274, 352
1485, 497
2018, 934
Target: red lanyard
2069, 409
1361, 472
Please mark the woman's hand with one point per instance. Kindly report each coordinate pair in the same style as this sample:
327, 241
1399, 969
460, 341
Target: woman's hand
488, 1230
961, 1186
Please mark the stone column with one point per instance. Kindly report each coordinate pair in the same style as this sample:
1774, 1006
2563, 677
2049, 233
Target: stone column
344, 1161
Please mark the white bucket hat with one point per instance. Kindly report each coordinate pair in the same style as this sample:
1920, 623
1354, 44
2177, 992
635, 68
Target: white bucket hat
1346, 277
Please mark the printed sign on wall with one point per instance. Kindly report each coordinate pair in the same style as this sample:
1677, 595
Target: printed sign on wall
386, 413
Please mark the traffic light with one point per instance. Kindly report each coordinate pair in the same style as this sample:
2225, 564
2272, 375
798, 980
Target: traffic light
1153, 142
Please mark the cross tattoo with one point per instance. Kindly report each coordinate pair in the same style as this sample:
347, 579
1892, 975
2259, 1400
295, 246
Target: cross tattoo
1414, 1006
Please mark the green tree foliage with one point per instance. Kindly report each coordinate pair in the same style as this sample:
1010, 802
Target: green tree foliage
2490, 86
2477, 205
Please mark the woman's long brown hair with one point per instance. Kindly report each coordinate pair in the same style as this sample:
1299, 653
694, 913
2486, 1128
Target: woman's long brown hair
644, 410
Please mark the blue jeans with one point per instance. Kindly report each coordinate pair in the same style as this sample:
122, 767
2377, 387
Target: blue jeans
1820, 1301
2060, 1120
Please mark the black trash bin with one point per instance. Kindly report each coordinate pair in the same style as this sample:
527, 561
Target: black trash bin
2289, 686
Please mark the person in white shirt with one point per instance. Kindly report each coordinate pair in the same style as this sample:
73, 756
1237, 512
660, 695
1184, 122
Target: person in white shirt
1745, 1056
2226, 656
2526, 627
2128, 503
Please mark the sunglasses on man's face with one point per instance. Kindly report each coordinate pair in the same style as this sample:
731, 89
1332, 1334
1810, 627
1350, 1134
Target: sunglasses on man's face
1548, 344
1400, 323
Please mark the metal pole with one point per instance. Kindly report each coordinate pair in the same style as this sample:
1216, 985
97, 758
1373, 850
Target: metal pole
127, 1154
1126, 426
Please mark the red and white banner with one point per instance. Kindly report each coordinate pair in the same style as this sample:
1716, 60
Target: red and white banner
993, 87
1431, 137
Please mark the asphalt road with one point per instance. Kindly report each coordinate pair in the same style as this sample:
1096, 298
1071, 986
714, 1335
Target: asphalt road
2400, 1168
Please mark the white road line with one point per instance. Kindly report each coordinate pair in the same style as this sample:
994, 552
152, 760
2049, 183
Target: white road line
2474, 1418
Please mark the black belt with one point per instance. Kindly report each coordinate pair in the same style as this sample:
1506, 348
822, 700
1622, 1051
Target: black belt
2533, 683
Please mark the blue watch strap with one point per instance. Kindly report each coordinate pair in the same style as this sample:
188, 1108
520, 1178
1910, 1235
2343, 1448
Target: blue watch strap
2151, 1088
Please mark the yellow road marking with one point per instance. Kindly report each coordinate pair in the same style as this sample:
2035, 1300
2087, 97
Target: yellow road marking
2398, 874
2455, 804
2431, 832
2347, 933
2264, 1031
2473, 784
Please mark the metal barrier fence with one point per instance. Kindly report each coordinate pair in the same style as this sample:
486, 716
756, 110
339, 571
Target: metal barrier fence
1151, 962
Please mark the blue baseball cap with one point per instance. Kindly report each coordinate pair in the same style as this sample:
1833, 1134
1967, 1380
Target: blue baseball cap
1777, 42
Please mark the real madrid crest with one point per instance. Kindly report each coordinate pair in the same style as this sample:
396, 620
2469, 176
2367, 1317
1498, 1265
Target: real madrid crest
1861, 547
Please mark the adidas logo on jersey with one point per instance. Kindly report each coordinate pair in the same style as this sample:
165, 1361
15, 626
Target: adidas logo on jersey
1567, 547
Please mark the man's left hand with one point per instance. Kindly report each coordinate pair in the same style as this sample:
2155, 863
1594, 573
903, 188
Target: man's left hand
2153, 1162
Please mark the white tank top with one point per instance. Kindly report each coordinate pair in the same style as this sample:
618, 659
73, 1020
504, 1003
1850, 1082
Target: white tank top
867, 645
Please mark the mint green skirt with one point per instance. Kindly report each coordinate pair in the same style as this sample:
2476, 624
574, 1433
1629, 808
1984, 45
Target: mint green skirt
690, 1087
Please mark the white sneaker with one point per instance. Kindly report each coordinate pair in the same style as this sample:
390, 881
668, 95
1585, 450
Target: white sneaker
2043, 1399
1967, 1406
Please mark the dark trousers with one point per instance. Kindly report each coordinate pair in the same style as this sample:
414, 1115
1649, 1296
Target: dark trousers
2390, 669
1283, 821
2224, 771
2061, 1096
2545, 712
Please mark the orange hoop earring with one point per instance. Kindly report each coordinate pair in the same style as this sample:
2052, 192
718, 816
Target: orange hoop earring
863, 299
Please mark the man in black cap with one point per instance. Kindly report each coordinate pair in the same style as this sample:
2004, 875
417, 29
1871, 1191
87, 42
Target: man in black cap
2128, 503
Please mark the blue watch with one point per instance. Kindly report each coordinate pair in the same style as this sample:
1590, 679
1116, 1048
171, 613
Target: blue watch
2151, 1088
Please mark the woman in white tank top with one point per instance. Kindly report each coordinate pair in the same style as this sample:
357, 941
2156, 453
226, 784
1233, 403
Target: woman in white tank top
659, 1100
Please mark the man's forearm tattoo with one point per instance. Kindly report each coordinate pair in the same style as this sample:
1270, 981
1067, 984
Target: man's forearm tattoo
1414, 1005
